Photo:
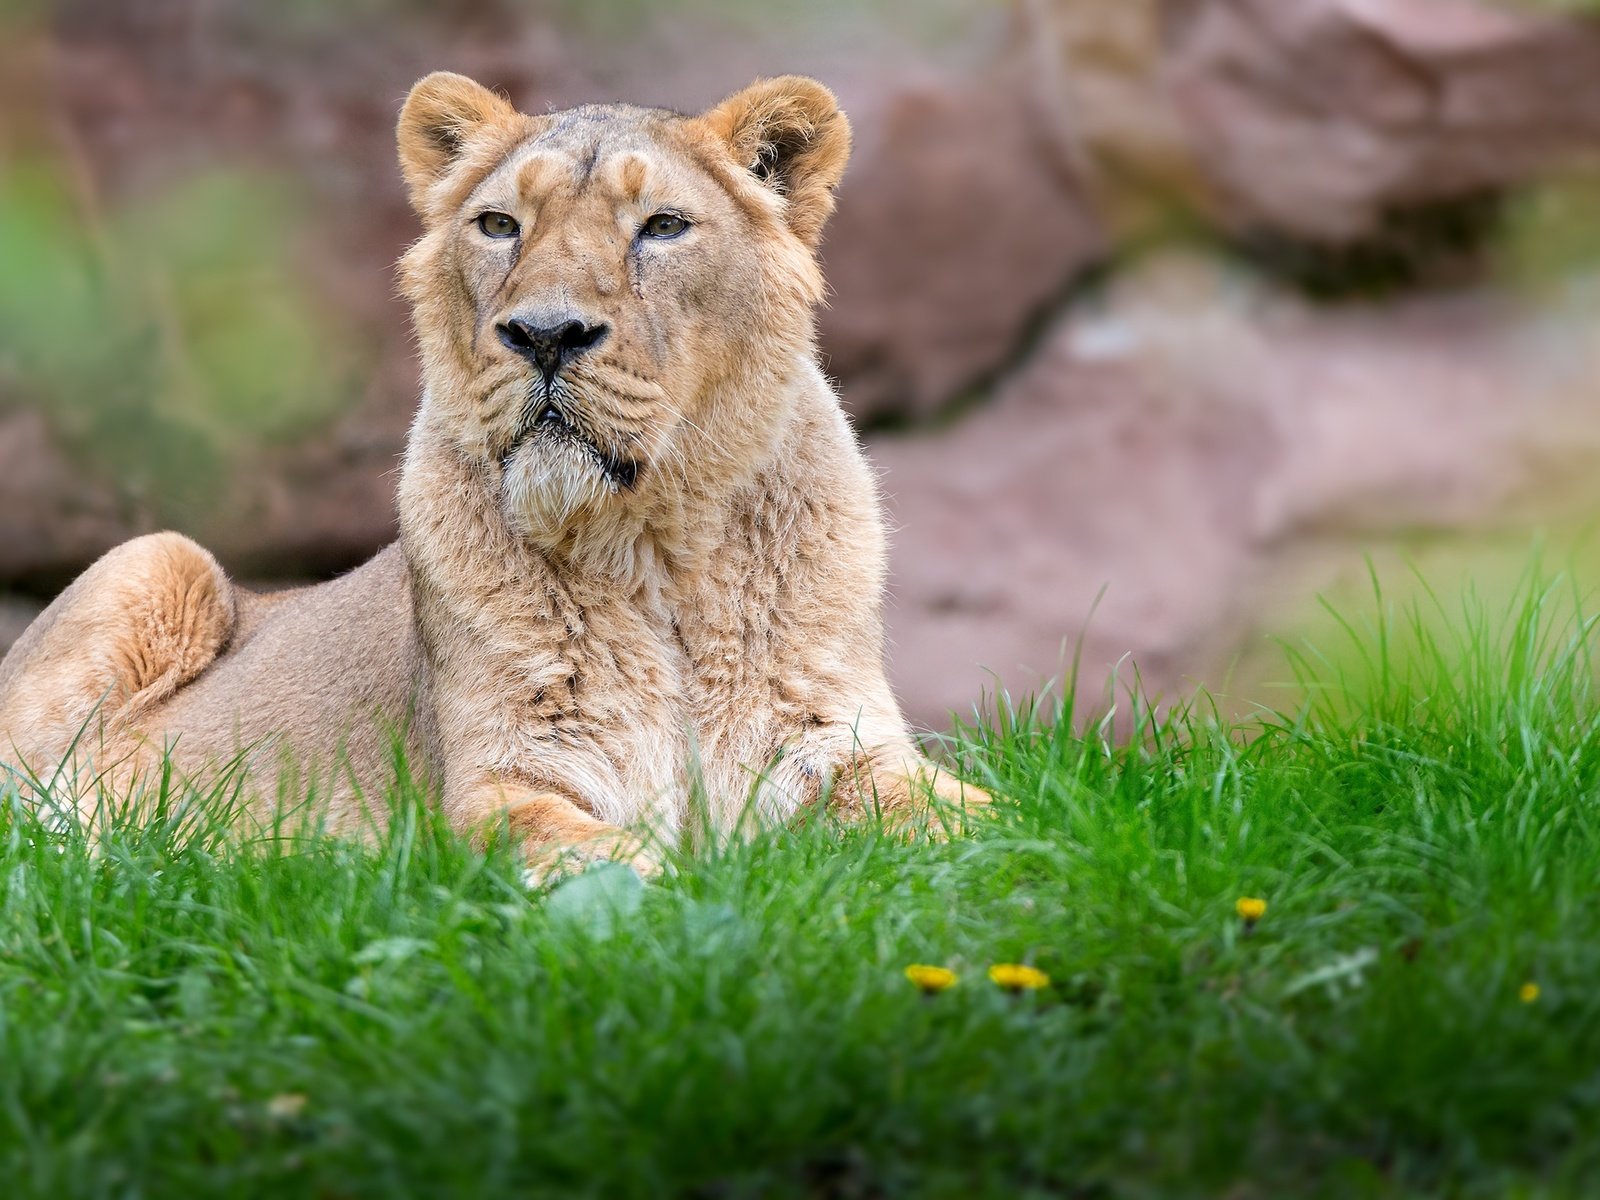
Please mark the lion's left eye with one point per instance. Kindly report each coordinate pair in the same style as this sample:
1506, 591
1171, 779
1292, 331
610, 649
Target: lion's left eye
664, 225
499, 225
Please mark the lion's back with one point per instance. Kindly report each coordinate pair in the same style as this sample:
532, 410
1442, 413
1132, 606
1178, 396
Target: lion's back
327, 678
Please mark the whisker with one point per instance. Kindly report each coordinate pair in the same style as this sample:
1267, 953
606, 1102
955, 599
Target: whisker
701, 431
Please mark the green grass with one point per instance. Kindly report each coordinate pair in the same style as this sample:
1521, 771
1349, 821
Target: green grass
184, 1017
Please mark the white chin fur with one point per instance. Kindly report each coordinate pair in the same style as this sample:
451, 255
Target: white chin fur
549, 483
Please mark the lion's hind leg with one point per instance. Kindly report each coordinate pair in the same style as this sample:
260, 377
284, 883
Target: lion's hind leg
131, 630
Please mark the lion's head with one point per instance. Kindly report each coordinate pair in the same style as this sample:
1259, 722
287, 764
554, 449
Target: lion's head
601, 294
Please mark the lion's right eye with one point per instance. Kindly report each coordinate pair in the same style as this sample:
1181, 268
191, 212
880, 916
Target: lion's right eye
499, 225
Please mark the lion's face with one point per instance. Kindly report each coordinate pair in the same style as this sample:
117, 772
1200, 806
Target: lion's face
599, 292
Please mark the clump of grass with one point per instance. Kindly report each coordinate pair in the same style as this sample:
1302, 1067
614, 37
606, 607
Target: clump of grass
1350, 949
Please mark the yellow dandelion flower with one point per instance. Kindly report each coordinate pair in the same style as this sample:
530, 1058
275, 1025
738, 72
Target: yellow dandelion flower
1015, 977
1528, 993
931, 980
1250, 909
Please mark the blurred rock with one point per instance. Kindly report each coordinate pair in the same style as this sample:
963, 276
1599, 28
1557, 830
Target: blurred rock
1095, 71
1142, 481
959, 223
316, 508
1321, 117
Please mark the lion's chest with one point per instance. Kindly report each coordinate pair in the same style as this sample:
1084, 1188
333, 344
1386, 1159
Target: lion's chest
613, 728
628, 707
659, 703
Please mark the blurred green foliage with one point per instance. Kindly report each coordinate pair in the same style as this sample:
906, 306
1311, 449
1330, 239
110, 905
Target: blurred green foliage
167, 341
1581, 7
1551, 231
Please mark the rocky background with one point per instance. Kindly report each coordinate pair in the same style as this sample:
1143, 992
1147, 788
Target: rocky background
1160, 316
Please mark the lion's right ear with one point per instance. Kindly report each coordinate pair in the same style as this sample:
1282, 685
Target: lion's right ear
442, 115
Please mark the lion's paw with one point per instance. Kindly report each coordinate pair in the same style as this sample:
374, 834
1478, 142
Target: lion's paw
551, 862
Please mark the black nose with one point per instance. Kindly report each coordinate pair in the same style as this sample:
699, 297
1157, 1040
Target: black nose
550, 346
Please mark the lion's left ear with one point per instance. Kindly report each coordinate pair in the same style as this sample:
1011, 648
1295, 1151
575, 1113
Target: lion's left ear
790, 134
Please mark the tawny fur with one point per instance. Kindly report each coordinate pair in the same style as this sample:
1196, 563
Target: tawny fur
575, 649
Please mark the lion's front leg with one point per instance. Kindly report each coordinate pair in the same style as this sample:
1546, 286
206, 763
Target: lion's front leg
902, 786
898, 783
556, 833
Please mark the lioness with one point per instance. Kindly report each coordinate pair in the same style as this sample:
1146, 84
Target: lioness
641, 555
